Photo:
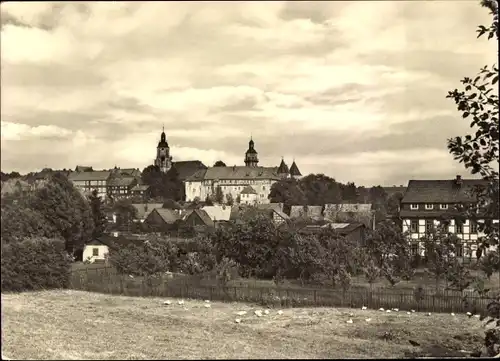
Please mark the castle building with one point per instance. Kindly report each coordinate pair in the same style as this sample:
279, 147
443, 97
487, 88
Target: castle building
248, 183
163, 159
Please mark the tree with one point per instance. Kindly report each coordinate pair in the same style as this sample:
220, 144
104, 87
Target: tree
394, 203
98, 215
229, 199
478, 151
66, 210
440, 252
288, 192
220, 163
164, 185
219, 195
20, 222
125, 212
208, 201
349, 193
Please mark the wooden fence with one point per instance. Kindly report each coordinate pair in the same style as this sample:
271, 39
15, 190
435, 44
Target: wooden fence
106, 280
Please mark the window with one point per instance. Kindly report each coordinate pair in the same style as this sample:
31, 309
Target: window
459, 251
95, 252
413, 206
443, 206
429, 225
429, 206
473, 227
459, 228
414, 226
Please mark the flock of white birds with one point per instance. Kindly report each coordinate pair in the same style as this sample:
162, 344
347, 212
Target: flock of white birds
261, 313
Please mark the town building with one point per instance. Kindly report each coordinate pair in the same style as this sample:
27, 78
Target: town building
428, 203
88, 181
163, 159
236, 180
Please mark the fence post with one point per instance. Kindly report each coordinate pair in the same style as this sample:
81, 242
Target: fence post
211, 293
433, 302
315, 298
235, 294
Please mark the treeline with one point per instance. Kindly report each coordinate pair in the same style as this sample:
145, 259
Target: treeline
42, 232
319, 189
256, 248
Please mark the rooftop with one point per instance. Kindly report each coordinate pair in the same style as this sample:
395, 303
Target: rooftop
101, 175
235, 173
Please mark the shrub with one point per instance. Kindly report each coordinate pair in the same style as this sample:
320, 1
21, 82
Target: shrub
35, 263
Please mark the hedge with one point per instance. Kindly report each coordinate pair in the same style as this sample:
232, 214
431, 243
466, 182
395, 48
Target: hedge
34, 264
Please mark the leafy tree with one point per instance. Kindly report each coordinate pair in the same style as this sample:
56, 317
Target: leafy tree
372, 273
349, 193
164, 185
238, 199
66, 210
229, 199
394, 203
98, 214
220, 163
208, 201
320, 189
20, 222
171, 204
219, 195
478, 152
125, 213
440, 252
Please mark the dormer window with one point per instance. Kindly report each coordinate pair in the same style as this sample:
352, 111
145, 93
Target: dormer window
429, 206
413, 206
443, 206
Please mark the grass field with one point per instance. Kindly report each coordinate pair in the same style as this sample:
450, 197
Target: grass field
81, 325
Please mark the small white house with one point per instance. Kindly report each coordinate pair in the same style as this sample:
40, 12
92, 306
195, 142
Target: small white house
97, 248
248, 196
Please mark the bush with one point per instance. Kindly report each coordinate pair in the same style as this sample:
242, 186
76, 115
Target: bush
35, 263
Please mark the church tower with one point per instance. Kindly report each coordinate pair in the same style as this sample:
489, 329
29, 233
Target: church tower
251, 158
163, 158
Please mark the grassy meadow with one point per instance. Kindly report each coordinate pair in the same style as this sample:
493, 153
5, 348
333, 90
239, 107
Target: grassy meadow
68, 324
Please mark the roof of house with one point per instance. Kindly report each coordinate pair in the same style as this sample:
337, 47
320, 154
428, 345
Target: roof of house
341, 228
276, 206
188, 168
141, 187
283, 168
348, 207
169, 216
120, 181
248, 190
218, 213
306, 211
441, 191
294, 170
143, 209
235, 172
130, 171
203, 216
89, 176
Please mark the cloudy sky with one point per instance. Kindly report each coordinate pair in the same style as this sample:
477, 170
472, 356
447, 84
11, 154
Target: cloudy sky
355, 90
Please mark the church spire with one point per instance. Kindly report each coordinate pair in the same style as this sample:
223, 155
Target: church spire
251, 155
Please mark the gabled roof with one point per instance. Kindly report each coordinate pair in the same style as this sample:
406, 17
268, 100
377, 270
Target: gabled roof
294, 170
218, 213
248, 190
143, 209
306, 211
283, 168
187, 168
236, 173
348, 207
203, 216
275, 206
441, 191
121, 181
102, 175
169, 216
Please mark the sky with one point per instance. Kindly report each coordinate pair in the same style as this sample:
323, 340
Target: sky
355, 90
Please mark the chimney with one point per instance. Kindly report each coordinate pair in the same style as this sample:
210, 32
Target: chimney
458, 180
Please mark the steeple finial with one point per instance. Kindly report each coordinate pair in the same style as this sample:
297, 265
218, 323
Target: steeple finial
163, 128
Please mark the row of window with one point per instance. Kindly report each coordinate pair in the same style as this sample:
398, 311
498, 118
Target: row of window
429, 206
429, 224
459, 250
